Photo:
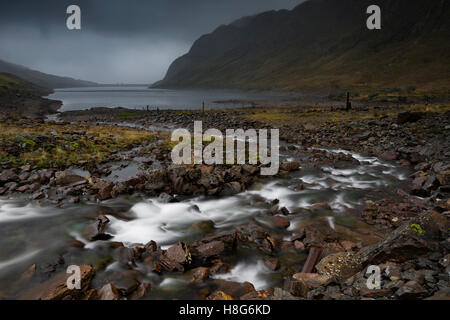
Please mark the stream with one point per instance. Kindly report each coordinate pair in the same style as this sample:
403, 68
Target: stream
32, 234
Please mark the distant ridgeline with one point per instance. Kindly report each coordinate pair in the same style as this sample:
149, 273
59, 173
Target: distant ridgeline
324, 44
42, 79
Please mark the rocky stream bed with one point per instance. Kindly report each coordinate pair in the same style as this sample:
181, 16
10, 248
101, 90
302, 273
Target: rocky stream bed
368, 192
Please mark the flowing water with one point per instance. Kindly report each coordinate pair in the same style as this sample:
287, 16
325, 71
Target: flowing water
32, 234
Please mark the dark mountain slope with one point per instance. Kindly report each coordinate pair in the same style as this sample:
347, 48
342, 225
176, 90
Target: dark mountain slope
20, 97
42, 79
324, 44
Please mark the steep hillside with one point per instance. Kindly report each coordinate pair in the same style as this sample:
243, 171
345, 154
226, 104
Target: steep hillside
20, 97
42, 79
324, 44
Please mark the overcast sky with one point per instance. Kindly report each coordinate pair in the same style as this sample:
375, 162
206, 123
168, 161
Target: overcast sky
121, 41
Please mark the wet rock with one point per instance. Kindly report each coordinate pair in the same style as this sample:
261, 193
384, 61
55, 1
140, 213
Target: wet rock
126, 257
200, 274
219, 295
210, 249
8, 176
257, 295
290, 166
321, 206
229, 239
56, 287
27, 275
411, 290
389, 156
202, 227
76, 244
165, 198
234, 289
109, 292
103, 188
66, 178
280, 222
219, 267
142, 291
179, 253
126, 281
272, 264
231, 188
96, 231
156, 179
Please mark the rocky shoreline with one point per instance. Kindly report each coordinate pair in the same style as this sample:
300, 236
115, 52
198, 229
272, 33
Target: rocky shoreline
409, 240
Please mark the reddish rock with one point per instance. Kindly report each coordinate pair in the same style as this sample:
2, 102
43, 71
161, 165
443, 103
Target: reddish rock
200, 275
280, 222
234, 289
179, 253
56, 287
210, 249
290, 166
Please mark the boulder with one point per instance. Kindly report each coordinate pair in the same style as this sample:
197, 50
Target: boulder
142, 291
109, 292
103, 188
179, 253
341, 265
56, 287
210, 249
8, 176
96, 231
67, 178
280, 222
233, 289
200, 274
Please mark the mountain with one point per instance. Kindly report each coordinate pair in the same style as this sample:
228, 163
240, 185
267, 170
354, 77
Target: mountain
324, 44
20, 97
42, 79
